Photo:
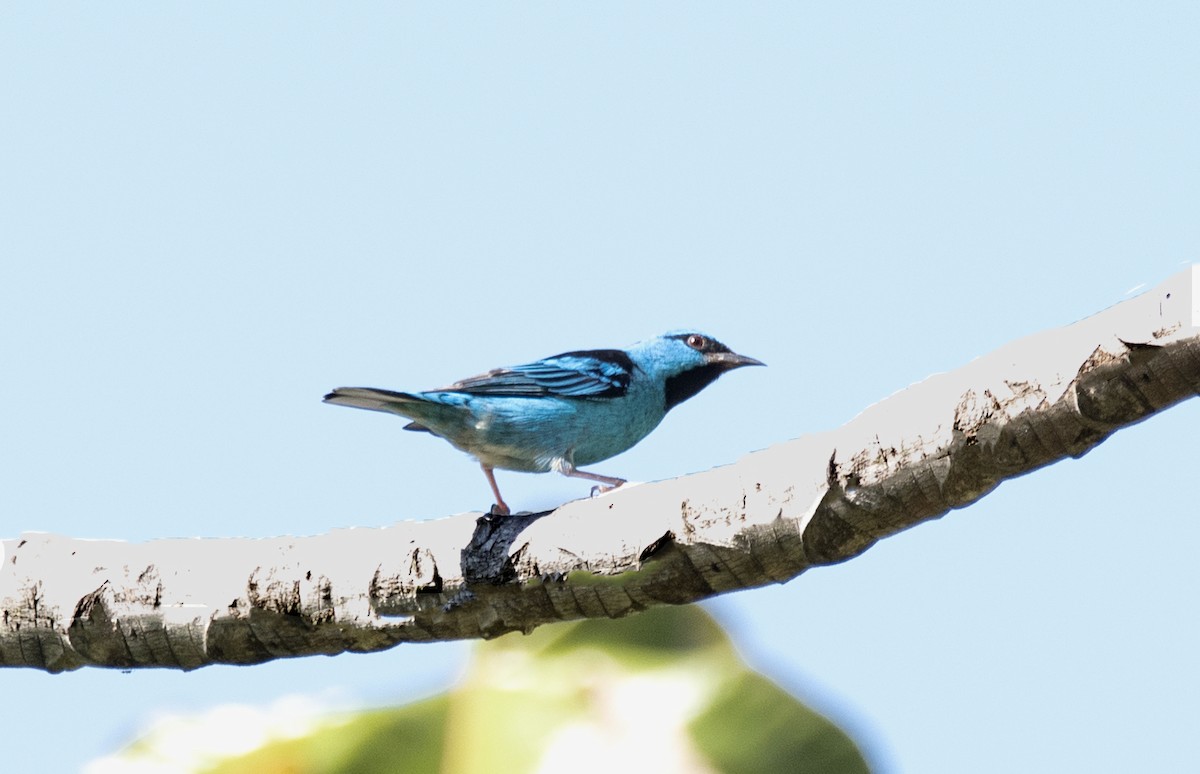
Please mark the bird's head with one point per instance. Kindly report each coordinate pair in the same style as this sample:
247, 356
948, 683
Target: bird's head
686, 362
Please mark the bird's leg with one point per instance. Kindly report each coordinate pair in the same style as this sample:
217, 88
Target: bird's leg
501, 507
607, 483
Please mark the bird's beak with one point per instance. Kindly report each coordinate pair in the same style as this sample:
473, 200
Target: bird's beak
728, 361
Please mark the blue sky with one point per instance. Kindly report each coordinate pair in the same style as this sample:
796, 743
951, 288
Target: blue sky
212, 214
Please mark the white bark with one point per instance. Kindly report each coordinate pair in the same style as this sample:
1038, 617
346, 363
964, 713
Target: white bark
938, 445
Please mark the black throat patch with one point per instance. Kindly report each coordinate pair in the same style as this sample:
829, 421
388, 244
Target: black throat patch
683, 386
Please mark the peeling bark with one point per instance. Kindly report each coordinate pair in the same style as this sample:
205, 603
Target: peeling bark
820, 499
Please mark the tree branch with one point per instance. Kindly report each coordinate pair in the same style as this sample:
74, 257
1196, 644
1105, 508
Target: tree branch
820, 499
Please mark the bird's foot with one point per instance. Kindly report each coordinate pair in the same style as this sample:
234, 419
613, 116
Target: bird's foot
499, 509
600, 489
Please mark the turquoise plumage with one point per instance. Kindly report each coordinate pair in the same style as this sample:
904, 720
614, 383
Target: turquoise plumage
572, 409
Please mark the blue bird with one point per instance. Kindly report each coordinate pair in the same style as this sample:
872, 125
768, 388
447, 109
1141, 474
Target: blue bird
572, 409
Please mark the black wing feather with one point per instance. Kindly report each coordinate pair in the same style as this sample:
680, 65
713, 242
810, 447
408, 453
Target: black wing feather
598, 373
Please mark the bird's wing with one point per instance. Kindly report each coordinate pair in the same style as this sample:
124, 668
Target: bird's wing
599, 373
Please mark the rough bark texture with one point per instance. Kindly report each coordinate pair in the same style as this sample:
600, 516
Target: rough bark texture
938, 445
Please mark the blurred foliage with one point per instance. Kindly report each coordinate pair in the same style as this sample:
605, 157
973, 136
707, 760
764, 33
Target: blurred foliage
662, 691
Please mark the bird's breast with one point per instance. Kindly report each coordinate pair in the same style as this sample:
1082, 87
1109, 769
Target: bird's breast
615, 425
532, 434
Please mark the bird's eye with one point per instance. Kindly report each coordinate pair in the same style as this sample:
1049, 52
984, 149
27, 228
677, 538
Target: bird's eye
696, 341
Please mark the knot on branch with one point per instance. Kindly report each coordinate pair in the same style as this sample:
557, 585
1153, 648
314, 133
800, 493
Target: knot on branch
488, 557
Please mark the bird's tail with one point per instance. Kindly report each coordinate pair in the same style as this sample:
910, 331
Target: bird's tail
372, 399
369, 398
